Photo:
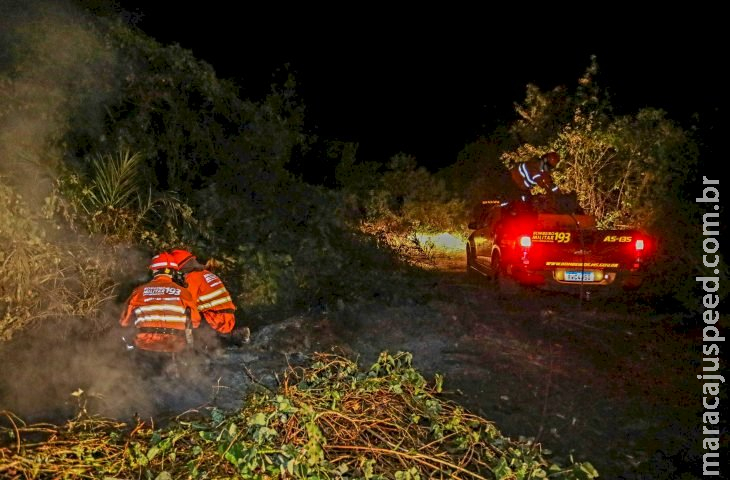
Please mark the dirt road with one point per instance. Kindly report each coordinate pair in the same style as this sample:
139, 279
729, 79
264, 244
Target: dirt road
607, 381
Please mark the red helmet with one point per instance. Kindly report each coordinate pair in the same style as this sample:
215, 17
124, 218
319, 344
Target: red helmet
163, 261
551, 158
181, 257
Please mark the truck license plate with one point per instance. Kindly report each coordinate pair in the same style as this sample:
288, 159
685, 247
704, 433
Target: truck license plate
576, 276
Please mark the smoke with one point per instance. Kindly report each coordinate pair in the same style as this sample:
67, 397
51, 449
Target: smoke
56, 71
59, 367
47, 380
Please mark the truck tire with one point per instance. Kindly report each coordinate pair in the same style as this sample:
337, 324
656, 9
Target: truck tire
471, 272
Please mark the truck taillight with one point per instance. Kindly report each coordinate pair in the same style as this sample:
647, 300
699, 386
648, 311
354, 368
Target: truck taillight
525, 241
639, 245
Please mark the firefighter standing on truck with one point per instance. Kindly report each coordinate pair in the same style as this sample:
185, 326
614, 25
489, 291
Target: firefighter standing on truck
536, 173
160, 315
213, 300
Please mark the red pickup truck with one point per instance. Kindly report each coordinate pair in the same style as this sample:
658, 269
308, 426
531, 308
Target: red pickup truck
520, 244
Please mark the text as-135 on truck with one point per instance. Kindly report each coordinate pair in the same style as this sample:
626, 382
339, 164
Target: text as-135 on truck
521, 243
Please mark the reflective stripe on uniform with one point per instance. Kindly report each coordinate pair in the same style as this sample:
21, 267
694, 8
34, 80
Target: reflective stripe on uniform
160, 313
213, 299
529, 182
153, 308
213, 294
163, 264
161, 318
219, 301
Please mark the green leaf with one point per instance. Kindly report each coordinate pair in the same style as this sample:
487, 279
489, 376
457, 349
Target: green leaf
152, 452
258, 419
589, 470
217, 415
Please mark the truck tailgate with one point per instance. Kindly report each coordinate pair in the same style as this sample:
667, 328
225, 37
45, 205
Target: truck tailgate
556, 243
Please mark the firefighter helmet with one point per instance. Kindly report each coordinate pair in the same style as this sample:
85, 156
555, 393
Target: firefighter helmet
551, 159
181, 257
186, 261
163, 263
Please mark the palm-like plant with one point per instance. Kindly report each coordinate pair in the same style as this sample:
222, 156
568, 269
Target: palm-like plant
116, 182
119, 203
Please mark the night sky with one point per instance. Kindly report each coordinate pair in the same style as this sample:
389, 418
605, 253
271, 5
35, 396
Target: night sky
427, 82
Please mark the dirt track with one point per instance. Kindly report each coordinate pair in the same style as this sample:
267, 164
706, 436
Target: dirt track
605, 382
609, 383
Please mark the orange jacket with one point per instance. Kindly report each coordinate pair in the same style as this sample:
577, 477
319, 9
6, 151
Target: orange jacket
213, 300
157, 310
532, 173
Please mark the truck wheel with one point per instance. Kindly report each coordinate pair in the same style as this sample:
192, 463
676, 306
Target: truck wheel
470, 271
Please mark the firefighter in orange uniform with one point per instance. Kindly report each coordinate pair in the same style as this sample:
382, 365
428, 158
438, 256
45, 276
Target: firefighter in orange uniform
213, 299
161, 312
536, 172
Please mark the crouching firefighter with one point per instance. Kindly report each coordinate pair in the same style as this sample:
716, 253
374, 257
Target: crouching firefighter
213, 300
159, 317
